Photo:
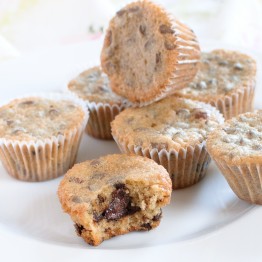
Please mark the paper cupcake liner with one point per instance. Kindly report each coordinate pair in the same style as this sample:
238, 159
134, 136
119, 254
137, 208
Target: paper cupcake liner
188, 56
185, 167
101, 115
239, 102
244, 180
45, 159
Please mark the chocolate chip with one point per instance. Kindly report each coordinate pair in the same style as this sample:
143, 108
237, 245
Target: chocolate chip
132, 209
108, 38
118, 207
147, 226
120, 186
223, 63
158, 216
9, 122
134, 9
27, 103
76, 199
76, 180
95, 162
53, 113
149, 43
79, 229
164, 29
121, 12
97, 217
170, 46
142, 29
158, 57
153, 125
159, 146
199, 113
100, 199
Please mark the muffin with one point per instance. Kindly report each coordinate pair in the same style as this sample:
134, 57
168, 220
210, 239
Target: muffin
172, 132
236, 147
226, 80
114, 195
148, 54
40, 135
93, 87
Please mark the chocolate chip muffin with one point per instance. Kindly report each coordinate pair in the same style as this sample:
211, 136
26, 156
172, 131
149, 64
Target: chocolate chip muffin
226, 80
172, 132
236, 148
148, 54
93, 87
114, 195
40, 135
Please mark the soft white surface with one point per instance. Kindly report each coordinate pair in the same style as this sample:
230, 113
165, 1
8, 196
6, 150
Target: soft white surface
206, 222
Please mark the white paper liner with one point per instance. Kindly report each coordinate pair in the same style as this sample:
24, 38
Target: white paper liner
186, 65
245, 180
45, 159
239, 102
101, 116
186, 166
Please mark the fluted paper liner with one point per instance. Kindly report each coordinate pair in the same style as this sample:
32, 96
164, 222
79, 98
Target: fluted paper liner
45, 159
185, 167
101, 115
245, 180
240, 101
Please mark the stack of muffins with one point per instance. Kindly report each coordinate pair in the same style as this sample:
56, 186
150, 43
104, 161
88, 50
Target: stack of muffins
162, 101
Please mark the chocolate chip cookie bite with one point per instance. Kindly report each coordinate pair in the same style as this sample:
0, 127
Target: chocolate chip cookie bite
93, 87
226, 80
40, 135
114, 195
148, 54
236, 147
172, 132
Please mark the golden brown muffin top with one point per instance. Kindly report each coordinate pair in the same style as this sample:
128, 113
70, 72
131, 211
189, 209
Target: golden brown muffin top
35, 118
93, 85
171, 123
87, 179
220, 73
239, 140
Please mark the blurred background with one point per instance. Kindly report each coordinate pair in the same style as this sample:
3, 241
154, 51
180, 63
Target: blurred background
34, 25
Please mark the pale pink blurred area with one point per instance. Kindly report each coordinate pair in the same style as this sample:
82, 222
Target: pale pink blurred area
35, 25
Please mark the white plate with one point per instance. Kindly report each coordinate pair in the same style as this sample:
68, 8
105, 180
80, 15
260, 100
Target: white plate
206, 221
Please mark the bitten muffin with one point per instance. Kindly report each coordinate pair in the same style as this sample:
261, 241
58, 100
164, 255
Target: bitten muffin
93, 87
226, 80
172, 132
40, 136
236, 148
114, 195
148, 54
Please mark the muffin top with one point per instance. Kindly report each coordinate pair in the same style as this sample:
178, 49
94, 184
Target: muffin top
93, 85
220, 73
238, 140
171, 123
85, 180
35, 118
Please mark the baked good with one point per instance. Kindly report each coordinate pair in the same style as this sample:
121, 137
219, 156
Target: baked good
226, 80
172, 132
93, 87
40, 135
114, 195
236, 147
148, 54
